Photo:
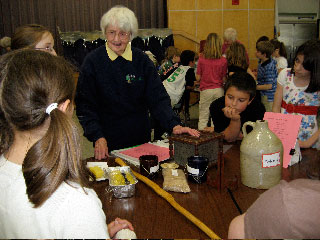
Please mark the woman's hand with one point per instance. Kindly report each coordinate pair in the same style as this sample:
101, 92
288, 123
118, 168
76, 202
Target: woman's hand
101, 149
179, 130
117, 225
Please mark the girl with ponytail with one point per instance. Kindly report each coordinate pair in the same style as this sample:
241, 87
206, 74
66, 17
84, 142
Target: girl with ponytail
279, 54
45, 190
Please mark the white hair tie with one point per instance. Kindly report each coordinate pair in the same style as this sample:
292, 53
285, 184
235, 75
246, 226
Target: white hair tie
51, 107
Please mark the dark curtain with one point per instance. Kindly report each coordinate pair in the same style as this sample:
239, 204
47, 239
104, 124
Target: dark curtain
75, 15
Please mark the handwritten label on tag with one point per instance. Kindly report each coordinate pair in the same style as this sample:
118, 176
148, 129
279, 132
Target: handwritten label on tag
270, 160
192, 170
154, 169
174, 172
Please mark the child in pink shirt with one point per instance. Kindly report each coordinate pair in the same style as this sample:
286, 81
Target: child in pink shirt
211, 72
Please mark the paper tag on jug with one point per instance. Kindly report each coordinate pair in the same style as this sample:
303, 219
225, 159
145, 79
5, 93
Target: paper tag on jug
154, 169
174, 172
270, 160
192, 170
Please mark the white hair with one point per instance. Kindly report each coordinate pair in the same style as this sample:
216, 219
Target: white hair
121, 17
230, 34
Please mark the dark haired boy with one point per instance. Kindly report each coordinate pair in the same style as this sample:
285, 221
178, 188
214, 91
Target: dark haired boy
238, 106
262, 38
267, 73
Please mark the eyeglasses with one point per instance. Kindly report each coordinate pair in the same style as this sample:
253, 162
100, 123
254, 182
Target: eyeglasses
47, 49
121, 35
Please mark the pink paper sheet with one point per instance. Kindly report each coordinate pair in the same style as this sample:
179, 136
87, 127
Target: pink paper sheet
147, 149
286, 127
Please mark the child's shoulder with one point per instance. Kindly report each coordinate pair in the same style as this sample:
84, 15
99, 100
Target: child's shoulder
271, 62
218, 104
286, 72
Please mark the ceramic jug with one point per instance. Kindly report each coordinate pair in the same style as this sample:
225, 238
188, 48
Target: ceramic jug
261, 156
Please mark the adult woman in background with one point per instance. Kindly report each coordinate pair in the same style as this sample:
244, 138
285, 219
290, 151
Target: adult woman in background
33, 36
118, 86
229, 37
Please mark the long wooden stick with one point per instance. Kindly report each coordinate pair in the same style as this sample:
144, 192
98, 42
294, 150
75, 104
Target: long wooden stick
167, 196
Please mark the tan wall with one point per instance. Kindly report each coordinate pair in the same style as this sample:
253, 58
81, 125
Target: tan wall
251, 19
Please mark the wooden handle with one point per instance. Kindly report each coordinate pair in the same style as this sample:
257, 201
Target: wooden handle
167, 196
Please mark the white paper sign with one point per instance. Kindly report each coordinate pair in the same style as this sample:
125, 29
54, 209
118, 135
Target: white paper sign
192, 170
270, 160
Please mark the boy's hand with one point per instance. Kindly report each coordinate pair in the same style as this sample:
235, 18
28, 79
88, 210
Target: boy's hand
231, 113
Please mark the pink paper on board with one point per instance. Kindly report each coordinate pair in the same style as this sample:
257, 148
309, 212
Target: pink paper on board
286, 127
147, 149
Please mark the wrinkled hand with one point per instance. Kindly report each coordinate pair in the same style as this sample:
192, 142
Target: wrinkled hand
101, 149
179, 130
117, 225
231, 113
209, 129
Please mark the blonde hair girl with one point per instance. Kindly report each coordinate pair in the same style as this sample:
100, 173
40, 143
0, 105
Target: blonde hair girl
211, 73
212, 48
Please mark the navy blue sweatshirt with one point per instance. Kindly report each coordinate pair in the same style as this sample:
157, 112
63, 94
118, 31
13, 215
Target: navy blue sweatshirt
114, 99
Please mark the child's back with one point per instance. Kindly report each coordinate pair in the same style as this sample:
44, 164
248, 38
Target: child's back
183, 76
211, 71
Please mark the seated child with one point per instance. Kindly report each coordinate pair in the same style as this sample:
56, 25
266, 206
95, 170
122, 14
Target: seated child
176, 84
171, 62
267, 73
182, 78
289, 210
231, 111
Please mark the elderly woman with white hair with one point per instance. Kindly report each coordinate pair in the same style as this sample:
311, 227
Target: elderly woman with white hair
118, 87
229, 36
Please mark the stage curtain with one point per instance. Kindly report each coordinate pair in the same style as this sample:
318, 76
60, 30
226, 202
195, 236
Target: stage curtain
75, 15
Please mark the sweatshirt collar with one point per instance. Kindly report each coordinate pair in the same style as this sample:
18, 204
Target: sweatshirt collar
126, 55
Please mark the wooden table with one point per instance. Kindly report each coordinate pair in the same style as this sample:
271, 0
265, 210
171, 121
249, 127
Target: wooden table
153, 217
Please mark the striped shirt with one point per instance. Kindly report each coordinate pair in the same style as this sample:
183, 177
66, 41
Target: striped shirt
267, 74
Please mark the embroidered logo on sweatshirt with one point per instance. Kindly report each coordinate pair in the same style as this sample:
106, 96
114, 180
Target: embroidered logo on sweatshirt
130, 78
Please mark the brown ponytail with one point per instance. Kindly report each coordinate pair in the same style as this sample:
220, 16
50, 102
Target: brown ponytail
35, 79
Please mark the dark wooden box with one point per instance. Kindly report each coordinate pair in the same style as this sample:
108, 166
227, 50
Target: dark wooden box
208, 145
